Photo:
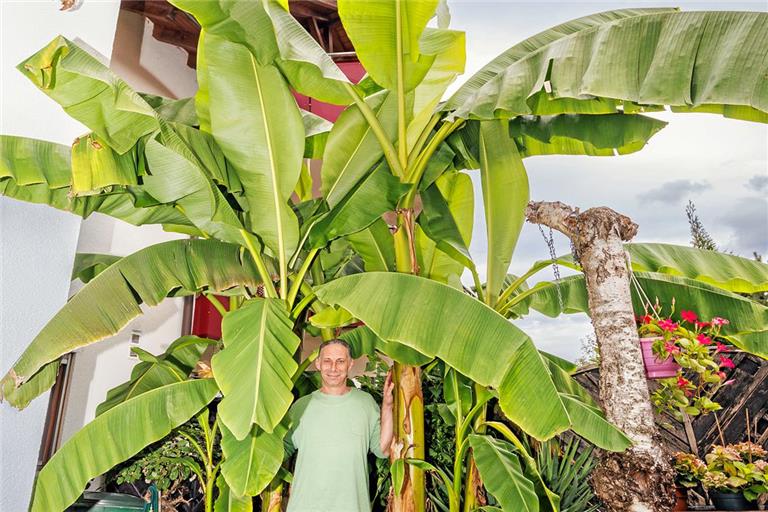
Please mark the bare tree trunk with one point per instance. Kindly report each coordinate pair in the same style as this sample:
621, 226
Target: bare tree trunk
641, 478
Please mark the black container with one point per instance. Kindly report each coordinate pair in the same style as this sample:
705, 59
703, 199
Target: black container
731, 501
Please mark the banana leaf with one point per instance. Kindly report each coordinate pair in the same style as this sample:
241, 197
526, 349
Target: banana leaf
251, 463
681, 59
255, 368
89, 265
363, 341
228, 501
125, 430
106, 304
503, 474
174, 365
375, 246
176, 111
89, 92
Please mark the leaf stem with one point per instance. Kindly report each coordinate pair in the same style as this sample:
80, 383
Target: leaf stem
266, 278
520, 280
216, 303
389, 150
299, 277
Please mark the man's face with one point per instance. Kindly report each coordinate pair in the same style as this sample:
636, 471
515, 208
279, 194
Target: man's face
334, 363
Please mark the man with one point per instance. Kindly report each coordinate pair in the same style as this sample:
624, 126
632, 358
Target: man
333, 430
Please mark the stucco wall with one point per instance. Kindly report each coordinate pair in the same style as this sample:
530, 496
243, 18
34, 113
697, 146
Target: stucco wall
37, 243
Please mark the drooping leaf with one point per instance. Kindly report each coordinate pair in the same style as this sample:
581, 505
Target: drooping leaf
316, 130
251, 463
440, 321
89, 265
503, 475
534, 43
732, 273
386, 39
434, 263
113, 298
255, 368
375, 245
125, 430
40, 172
174, 111
98, 168
505, 196
681, 59
89, 92
590, 423
255, 120
174, 365
457, 391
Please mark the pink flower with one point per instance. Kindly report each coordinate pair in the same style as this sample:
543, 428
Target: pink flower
719, 321
721, 374
668, 325
721, 347
671, 347
688, 316
726, 362
699, 325
682, 382
703, 339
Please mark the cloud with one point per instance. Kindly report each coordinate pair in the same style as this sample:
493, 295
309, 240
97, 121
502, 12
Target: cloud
673, 191
748, 224
758, 182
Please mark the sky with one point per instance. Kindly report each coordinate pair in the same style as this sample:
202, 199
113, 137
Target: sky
719, 164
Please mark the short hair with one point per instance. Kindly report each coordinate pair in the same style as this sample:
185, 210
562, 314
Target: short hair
335, 341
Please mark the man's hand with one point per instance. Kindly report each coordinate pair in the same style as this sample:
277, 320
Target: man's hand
387, 424
389, 386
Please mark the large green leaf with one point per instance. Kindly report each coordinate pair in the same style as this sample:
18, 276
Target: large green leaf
228, 501
175, 111
97, 168
747, 318
106, 304
373, 195
533, 43
440, 321
91, 93
180, 175
590, 423
386, 38
257, 123
269, 31
255, 369
503, 475
114, 437
681, 59
434, 263
375, 246
174, 365
505, 196
363, 341
316, 131
251, 463
733, 273
40, 172
352, 149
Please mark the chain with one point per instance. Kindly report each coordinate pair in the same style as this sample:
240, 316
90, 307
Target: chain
550, 241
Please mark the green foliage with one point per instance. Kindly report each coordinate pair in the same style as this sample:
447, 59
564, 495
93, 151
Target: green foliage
565, 469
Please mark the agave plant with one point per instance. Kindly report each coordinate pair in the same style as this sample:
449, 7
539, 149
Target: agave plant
226, 171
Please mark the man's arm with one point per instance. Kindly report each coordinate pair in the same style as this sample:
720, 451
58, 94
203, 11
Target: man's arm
387, 422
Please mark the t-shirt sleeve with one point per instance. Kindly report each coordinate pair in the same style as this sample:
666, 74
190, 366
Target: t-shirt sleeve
374, 442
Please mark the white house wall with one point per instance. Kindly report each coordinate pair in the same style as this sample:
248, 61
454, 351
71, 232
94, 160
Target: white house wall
37, 243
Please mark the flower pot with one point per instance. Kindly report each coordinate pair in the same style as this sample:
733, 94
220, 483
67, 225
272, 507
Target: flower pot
655, 369
731, 501
681, 498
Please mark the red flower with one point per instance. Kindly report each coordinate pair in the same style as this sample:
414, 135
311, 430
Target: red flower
646, 319
688, 316
699, 325
726, 362
682, 382
721, 347
719, 321
668, 325
721, 374
703, 339
671, 347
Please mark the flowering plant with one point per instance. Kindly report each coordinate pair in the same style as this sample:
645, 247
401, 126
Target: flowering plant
701, 353
735, 468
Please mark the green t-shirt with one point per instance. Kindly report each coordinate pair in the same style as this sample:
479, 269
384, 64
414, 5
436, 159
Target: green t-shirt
333, 434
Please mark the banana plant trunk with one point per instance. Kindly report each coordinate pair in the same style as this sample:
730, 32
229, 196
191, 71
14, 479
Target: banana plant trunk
639, 479
409, 400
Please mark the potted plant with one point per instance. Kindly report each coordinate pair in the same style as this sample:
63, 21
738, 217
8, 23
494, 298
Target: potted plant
734, 475
689, 470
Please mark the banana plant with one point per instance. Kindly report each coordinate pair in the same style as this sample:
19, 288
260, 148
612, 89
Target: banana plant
229, 173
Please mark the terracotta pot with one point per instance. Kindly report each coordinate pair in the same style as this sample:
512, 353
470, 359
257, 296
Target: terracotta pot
655, 369
681, 495
731, 501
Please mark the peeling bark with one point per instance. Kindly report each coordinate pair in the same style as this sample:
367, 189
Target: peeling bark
409, 437
639, 479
